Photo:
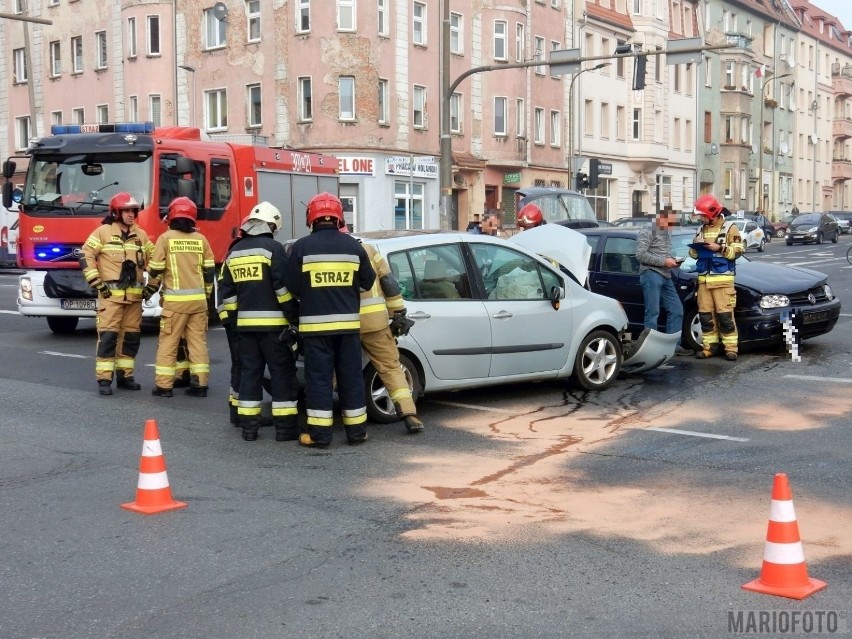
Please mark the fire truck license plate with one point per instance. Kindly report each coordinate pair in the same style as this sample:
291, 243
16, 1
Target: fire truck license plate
78, 305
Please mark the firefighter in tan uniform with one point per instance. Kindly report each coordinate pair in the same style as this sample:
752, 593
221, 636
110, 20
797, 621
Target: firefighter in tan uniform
378, 338
114, 260
716, 247
183, 263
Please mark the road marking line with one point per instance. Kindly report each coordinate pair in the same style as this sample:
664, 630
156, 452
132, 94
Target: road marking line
10, 312
474, 407
57, 354
692, 433
814, 378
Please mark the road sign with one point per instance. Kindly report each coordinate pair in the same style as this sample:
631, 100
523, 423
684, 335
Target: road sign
564, 61
604, 168
684, 51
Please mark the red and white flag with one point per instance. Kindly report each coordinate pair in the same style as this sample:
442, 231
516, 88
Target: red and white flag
761, 71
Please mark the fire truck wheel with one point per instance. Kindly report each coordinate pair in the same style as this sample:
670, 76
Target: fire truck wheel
62, 325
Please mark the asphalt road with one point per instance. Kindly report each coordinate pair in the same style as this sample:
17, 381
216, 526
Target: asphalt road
524, 511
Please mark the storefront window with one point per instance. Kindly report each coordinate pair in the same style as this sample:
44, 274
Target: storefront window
599, 199
408, 205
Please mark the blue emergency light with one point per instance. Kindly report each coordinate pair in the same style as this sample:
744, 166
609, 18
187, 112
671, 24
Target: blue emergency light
126, 127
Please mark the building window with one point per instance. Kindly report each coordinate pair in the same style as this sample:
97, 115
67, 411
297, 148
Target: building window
384, 18
303, 16
539, 54
637, 124
676, 78
730, 73
133, 109
155, 109
254, 104
729, 184
520, 43
22, 133
555, 128
77, 54
619, 62
306, 109
408, 209
500, 52
418, 24
499, 116
455, 113
253, 20
658, 65
637, 7
687, 136
419, 113
153, 23
384, 117
708, 127
102, 113
456, 33
56, 117
100, 50
55, 58
555, 46
214, 31
620, 122
520, 118
346, 87
346, 15
216, 104
20, 65
78, 116
131, 37
676, 134
605, 120
588, 117
538, 123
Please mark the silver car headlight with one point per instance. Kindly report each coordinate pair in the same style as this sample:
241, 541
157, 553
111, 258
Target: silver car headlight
774, 301
829, 294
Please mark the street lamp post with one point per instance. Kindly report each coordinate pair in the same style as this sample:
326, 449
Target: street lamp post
191, 70
571, 118
759, 205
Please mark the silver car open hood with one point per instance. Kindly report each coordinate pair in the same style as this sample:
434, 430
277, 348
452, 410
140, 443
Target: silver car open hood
559, 243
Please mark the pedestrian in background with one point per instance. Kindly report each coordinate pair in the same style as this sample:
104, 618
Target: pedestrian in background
183, 264
258, 308
716, 247
656, 261
114, 260
327, 270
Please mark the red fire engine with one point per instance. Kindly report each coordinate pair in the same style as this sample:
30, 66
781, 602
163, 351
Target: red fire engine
73, 173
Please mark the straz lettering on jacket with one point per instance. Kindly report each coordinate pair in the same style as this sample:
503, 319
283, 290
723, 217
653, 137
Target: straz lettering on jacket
186, 246
246, 272
332, 278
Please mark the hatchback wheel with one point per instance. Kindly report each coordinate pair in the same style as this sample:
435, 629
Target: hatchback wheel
779, 233
762, 246
380, 408
819, 238
598, 361
835, 238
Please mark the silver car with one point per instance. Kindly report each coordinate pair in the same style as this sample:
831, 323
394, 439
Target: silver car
490, 311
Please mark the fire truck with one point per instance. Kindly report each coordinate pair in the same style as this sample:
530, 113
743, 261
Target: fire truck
73, 173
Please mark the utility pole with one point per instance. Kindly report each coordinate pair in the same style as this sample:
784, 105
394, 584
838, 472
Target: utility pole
446, 140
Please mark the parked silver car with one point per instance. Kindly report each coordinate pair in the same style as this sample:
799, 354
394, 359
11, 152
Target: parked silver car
490, 311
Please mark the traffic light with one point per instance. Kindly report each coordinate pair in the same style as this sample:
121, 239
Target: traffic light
582, 181
594, 171
639, 64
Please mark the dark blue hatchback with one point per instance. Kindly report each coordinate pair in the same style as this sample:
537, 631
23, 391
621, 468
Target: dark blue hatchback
765, 292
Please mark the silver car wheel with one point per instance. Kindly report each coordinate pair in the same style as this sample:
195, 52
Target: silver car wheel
598, 361
380, 408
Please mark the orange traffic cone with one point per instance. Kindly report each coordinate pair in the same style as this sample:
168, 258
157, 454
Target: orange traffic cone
153, 494
784, 572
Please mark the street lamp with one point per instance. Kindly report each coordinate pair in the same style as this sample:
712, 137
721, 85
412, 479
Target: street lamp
191, 70
763, 99
571, 118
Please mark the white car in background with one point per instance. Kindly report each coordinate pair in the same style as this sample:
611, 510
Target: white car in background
753, 236
491, 311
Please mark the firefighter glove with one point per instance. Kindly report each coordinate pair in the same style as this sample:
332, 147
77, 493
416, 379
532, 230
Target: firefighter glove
128, 274
290, 338
149, 291
103, 290
400, 324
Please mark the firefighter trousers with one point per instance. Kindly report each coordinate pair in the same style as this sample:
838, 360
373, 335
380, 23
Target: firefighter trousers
716, 313
325, 356
173, 327
259, 350
119, 336
381, 348
234, 390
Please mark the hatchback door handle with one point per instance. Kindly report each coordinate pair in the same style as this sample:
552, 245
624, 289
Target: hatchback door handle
419, 315
502, 315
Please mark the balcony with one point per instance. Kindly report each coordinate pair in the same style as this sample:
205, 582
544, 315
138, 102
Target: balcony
841, 128
646, 157
841, 170
737, 100
739, 40
841, 79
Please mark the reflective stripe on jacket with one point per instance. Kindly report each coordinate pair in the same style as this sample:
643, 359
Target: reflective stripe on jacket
384, 297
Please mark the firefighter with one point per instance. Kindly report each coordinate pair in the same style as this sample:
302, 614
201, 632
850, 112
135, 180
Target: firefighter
259, 308
383, 302
716, 247
233, 346
183, 263
529, 217
114, 260
327, 270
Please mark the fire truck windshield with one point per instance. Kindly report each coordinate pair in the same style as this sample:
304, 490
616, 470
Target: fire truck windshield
83, 184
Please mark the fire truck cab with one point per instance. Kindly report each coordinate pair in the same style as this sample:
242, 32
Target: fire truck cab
73, 174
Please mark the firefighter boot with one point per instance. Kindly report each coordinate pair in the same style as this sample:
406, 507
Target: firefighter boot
235, 416
182, 380
286, 428
250, 426
104, 387
161, 392
412, 424
306, 440
197, 391
126, 382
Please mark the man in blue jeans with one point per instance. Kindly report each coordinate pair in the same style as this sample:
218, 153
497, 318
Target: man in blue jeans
654, 252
